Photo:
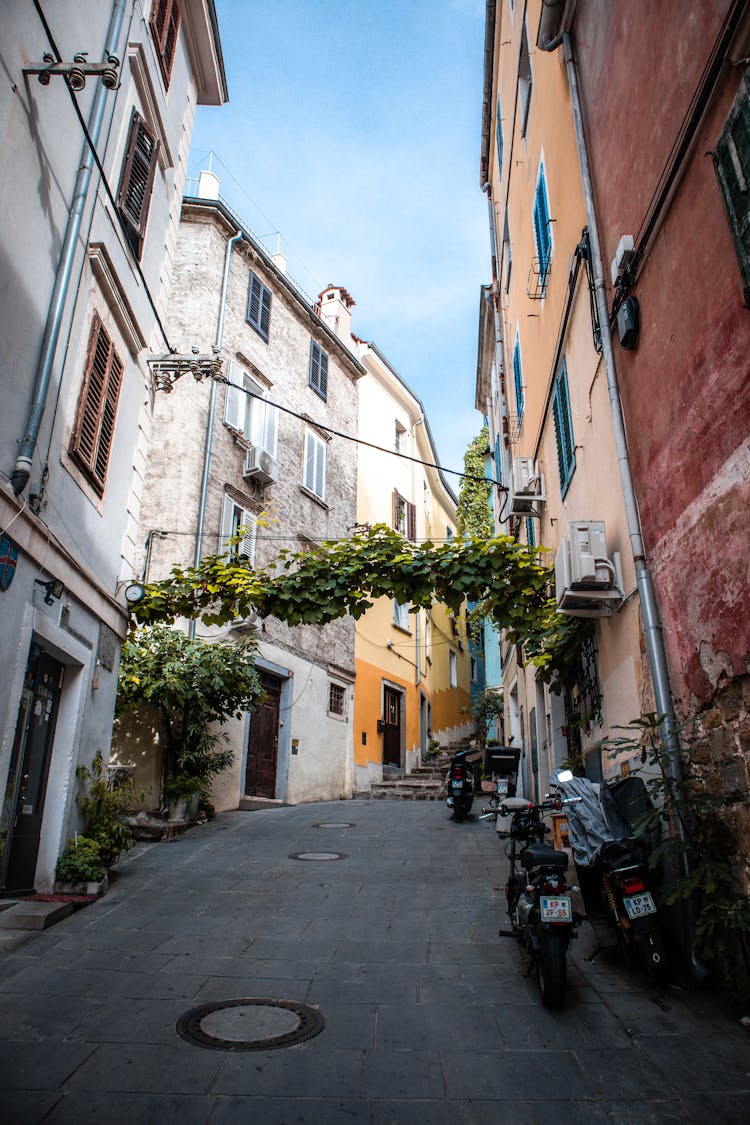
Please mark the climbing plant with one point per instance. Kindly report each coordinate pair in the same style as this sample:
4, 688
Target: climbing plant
347, 576
474, 515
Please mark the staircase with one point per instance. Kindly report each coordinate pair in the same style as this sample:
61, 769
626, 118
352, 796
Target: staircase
424, 783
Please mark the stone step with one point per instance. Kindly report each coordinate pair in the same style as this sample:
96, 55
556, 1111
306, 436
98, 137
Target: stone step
34, 915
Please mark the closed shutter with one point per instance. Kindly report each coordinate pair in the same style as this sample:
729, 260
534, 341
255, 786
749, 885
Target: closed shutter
541, 224
165, 26
499, 138
563, 430
315, 465
318, 377
411, 521
732, 163
137, 181
395, 509
518, 377
94, 430
259, 307
272, 428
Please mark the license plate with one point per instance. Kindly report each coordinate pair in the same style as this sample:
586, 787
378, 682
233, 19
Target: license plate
638, 905
556, 909
458, 786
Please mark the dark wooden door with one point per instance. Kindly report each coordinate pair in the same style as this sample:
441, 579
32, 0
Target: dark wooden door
263, 741
35, 732
391, 727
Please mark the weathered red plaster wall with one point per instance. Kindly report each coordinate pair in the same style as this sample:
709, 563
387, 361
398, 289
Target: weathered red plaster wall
686, 388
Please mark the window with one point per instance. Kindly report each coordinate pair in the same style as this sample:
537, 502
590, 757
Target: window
566, 458
453, 668
498, 460
401, 615
525, 80
236, 520
518, 377
336, 699
473, 667
318, 374
165, 25
399, 442
732, 162
499, 138
404, 516
94, 428
256, 418
542, 231
314, 477
507, 252
137, 181
259, 307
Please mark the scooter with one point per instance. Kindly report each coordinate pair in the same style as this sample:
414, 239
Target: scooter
460, 785
539, 905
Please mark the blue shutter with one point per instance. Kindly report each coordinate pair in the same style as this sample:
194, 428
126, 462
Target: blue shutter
518, 377
566, 459
499, 138
498, 461
541, 224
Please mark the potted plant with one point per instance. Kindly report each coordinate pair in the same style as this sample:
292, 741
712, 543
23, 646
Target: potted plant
81, 869
183, 794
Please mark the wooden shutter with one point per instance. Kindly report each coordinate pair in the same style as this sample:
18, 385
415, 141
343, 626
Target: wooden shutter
94, 429
394, 509
563, 430
318, 370
165, 27
248, 524
324, 374
411, 520
518, 377
541, 224
235, 406
259, 307
732, 163
137, 180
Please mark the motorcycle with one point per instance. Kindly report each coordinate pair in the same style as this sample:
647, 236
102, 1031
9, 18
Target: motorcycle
613, 859
460, 785
539, 905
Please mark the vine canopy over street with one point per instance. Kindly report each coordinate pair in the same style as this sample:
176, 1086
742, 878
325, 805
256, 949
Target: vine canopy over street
334, 578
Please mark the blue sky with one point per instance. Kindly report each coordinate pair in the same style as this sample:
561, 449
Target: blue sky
354, 130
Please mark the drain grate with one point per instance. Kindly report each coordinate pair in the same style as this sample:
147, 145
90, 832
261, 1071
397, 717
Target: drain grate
249, 1024
336, 824
317, 855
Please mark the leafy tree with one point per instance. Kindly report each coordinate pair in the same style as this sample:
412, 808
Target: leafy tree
194, 685
347, 576
474, 512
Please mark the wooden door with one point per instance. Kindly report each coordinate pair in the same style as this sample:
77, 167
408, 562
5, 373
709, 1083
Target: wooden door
263, 741
391, 727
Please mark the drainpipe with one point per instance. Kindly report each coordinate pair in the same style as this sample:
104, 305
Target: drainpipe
237, 237
651, 623
504, 417
22, 471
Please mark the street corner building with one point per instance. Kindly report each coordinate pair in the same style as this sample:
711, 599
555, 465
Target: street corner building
98, 109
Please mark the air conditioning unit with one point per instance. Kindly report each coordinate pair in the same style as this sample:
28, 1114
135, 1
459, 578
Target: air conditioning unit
260, 466
527, 492
587, 582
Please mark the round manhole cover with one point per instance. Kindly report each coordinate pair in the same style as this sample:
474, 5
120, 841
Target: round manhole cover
249, 1025
334, 824
317, 855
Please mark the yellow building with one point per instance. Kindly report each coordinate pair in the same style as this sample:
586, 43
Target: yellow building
543, 386
412, 669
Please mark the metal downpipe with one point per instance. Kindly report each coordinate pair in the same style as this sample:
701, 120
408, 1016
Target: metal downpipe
237, 237
651, 622
22, 470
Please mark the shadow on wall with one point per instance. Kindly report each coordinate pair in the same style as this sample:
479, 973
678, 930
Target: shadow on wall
138, 740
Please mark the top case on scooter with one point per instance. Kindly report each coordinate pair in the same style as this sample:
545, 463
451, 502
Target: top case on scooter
542, 855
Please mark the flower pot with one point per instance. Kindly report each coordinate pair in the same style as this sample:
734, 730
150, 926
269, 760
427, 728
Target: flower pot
178, 808
98, 888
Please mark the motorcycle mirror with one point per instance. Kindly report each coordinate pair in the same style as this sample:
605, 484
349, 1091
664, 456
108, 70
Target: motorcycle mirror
565, 775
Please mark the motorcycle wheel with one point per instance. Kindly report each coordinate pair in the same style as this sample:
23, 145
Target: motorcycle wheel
552, 968
460, 807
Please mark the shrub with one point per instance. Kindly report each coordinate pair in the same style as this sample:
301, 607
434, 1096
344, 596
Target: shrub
81, 862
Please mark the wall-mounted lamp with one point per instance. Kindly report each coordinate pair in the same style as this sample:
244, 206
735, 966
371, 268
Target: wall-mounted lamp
53, 589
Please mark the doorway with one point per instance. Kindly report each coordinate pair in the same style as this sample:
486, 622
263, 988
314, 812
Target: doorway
26, 788
391, 727
263, 740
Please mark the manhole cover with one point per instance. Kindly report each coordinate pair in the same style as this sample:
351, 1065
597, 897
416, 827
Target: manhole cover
317, 855
249, 1025
333, 824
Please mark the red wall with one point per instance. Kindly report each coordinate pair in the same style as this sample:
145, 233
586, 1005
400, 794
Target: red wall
685, 389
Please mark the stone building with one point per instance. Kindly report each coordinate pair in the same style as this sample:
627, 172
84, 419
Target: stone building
97, 107
223, 460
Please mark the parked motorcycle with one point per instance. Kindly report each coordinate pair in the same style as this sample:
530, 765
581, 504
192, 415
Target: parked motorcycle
615, 860
539, 905
460, 785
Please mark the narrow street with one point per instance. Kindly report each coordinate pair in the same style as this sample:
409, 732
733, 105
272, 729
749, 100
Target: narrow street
428, 1015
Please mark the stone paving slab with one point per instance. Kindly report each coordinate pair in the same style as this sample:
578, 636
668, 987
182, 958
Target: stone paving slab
430, 1016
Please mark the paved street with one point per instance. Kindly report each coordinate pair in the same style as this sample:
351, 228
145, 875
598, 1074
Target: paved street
428, 1015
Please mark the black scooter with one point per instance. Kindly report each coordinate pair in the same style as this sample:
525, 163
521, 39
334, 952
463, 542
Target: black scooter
460, 785
539, 906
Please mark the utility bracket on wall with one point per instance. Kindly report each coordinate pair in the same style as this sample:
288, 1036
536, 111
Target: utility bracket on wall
77, 71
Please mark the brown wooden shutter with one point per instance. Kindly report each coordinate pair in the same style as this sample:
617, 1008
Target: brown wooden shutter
97, 407
137, 180
165, 27
411, 520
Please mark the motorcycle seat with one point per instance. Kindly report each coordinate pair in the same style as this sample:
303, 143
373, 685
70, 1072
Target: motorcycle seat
631, 850
538, 855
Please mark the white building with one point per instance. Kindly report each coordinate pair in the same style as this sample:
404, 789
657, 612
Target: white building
87, 252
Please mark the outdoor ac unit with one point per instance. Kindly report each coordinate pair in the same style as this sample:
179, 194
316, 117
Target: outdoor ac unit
587, 582
527, 493
260, 466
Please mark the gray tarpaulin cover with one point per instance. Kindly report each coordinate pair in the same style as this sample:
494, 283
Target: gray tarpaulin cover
587, 825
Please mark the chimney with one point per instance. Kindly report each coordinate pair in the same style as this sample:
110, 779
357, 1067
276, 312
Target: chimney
208, 186
335, 305
279, 260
